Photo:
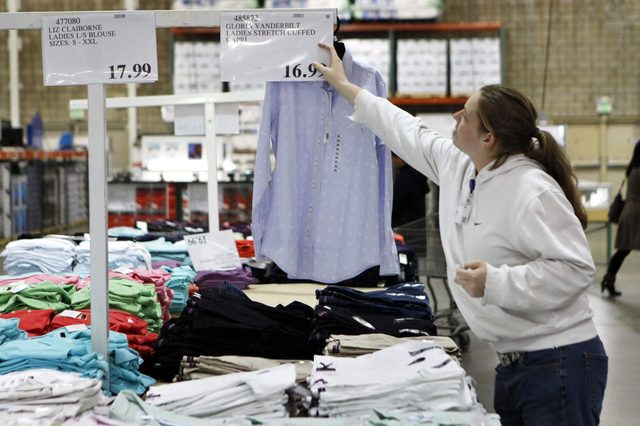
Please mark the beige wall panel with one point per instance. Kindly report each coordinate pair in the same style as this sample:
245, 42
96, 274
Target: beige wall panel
582, 143
621, 140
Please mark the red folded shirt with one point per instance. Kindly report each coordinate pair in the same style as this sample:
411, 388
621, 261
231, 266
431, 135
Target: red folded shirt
36, 322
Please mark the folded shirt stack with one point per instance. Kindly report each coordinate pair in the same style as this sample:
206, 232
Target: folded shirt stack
410, 377
200, 367
237, 277
69, 349
181, 278
52, 352
32, 278
161, 249
125, 232
130, 296
258, 393
124, 362
136, 329
40, 322
46, 255
9, 330
350, 346
35, 322
224, 321
401, 310
124, 254
44, 295
60, 394
157, 277
129, 409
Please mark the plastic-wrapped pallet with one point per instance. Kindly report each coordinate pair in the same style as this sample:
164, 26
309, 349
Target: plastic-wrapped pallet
474, 63
343, 6
371, 52
196, 67
397, 9
215, 4
422, 67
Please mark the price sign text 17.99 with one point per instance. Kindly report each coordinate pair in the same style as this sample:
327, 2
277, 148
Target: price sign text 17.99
122, 71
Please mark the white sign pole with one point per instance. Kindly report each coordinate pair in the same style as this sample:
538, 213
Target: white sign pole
212, 165
98, 220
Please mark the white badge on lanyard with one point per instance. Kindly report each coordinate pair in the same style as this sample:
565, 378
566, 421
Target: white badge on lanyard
463, 213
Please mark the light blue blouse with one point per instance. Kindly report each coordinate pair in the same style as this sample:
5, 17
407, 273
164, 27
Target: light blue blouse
323, 212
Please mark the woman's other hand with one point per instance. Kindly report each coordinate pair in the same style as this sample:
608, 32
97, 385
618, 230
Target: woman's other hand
473, 278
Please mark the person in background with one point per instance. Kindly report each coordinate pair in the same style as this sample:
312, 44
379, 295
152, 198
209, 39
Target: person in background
628, 233
409, 190
512, 228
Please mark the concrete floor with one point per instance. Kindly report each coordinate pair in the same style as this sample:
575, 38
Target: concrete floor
618, 322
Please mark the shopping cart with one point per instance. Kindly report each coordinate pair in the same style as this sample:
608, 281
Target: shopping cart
423, 236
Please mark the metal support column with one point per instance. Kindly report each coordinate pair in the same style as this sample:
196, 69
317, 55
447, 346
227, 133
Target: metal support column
98, 219
212, 165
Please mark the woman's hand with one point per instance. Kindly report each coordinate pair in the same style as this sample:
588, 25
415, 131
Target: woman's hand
473, 278
335, 75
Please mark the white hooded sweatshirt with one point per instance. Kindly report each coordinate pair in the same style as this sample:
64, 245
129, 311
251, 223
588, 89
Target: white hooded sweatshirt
519, 222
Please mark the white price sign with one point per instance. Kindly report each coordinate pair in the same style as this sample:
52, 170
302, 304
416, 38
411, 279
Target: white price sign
99, 48
259, 46
214, 251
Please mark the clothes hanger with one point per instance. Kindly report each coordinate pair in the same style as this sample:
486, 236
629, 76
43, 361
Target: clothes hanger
338, 45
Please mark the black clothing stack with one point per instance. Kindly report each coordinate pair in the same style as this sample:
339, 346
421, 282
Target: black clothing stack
224, 321
402, 310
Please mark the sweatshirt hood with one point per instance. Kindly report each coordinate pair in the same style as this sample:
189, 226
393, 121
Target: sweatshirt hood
512, 162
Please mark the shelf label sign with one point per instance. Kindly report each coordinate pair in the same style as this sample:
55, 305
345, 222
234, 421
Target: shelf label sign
258, 46
213, 251
91, 48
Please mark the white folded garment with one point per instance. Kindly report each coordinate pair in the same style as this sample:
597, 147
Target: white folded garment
256, 393
65, 393
409, 377
47, 255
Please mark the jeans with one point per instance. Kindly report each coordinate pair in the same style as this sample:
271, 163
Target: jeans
559, 386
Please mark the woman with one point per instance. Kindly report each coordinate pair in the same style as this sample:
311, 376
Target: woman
628, 234
518, 261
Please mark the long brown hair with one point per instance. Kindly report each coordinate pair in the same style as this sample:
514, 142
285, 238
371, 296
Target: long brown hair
511, 117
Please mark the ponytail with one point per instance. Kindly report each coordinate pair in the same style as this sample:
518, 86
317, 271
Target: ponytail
546, 151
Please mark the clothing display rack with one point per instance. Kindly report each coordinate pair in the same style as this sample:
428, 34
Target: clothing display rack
98, 148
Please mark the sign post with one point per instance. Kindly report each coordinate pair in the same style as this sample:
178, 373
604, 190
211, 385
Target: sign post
94, 50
